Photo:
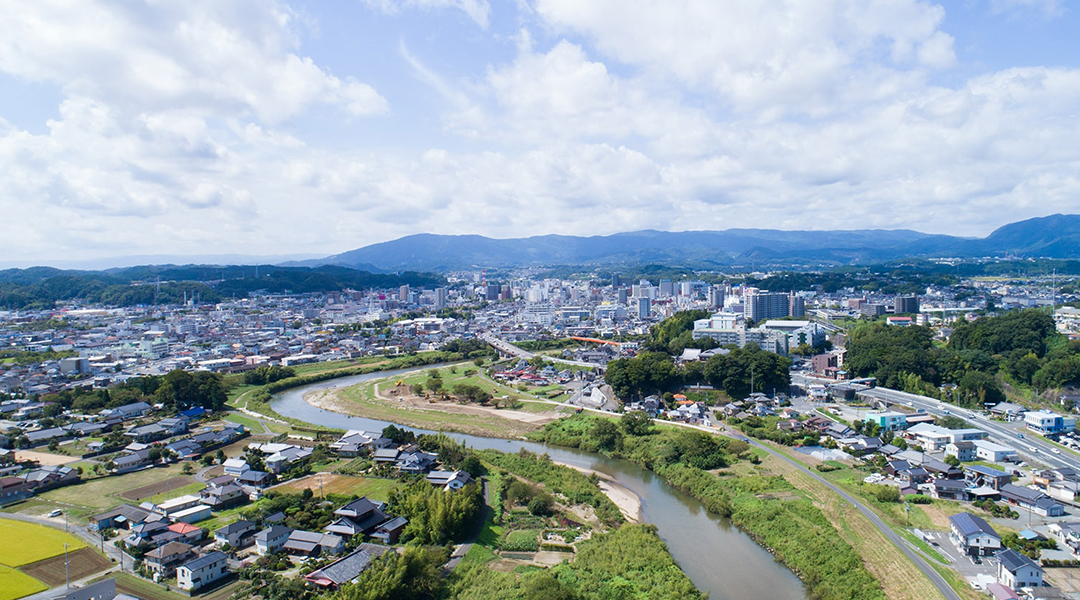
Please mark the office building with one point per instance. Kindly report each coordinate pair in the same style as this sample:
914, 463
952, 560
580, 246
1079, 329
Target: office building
906, 305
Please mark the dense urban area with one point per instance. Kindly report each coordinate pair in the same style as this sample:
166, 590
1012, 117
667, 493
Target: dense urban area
886, 432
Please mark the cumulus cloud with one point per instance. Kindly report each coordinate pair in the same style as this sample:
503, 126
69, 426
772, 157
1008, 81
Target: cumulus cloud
181, 127
202, 55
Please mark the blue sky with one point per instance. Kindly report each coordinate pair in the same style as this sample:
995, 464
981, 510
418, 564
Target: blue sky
273, 128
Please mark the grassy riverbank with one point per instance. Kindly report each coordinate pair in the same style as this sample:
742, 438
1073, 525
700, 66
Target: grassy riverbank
777, 514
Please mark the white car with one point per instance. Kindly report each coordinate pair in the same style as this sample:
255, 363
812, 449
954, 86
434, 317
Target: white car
56, 513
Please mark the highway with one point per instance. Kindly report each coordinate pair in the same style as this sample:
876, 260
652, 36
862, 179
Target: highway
1001, 432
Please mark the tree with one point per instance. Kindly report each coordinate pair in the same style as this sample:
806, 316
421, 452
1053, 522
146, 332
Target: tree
417, 389
636, 423
952, 460
434, 384
607, 434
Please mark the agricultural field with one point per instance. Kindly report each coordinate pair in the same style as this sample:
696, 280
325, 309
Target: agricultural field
46, 542
29, 554
80, 563
332, 483
14, 584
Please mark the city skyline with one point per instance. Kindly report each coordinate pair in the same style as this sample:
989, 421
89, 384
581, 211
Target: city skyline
294, 128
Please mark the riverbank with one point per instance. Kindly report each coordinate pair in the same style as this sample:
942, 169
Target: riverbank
628, 502
400, 405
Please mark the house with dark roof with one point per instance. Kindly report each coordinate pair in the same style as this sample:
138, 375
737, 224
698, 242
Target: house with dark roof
1033, 500
271, 539
358, 517
201, 572
44, 436
164, 559
949, 489
13, 489
313, 543
237, 534
980, 476
973, 535
449, 480
347, 568
1018, 571
129, 411
51, 476
221, 497
123, 516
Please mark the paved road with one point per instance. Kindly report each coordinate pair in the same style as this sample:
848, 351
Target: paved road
931, 574
1000, 432
920, 562
508, 348
91, 538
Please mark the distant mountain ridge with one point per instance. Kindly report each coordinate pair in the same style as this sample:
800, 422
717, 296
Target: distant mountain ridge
1055, 236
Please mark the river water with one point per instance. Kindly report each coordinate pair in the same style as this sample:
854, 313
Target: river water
719, 558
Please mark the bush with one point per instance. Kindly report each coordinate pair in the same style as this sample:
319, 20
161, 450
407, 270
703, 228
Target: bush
887, 493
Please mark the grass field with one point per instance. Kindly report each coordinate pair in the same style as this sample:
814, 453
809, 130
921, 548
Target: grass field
106, 492
80, 563
14, 584
160, 488
373, 487
24, 543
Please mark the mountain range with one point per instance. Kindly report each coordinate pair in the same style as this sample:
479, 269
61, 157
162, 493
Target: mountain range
1055, 236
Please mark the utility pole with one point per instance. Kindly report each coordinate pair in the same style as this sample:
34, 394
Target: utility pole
67, 576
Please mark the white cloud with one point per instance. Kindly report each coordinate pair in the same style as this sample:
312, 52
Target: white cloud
201, 55
477, 10
802, 56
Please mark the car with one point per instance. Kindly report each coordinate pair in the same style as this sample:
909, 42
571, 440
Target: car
1020, 435
1055, 451
56, 513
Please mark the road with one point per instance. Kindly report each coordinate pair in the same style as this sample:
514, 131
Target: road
920, 562
92, 540
1001, 432
931, 574
508, 348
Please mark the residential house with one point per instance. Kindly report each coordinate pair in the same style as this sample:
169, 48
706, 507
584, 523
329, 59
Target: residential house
256, 479
355, 443
390, 531
347, 568
949, 489
311, 543
123, 516
188, 533
237, 534
963, 450
449, 480
357, 518
271, 539
132, 461
1033, 500
145, 434
1008, 411
201, 572
973, 535
164, 559
1066, 532
51, 476
129, 411
235, 466
13, 489
284, 459
415, 462
44, 436
173, 425
979, 476
224, 496
1018, 571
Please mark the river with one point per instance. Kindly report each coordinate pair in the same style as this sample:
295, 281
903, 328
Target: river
720, 559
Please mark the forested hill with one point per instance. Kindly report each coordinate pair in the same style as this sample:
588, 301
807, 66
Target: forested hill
42, 287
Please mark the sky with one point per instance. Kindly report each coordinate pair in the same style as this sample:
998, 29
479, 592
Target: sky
271, 128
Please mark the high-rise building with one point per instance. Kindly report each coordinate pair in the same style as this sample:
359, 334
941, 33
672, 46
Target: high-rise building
491, 292
761, 305
667, 288
616, 281
796, 306
906, 305
403, 293
716, 297
644, 307
440, 298
622, 295
686, 288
